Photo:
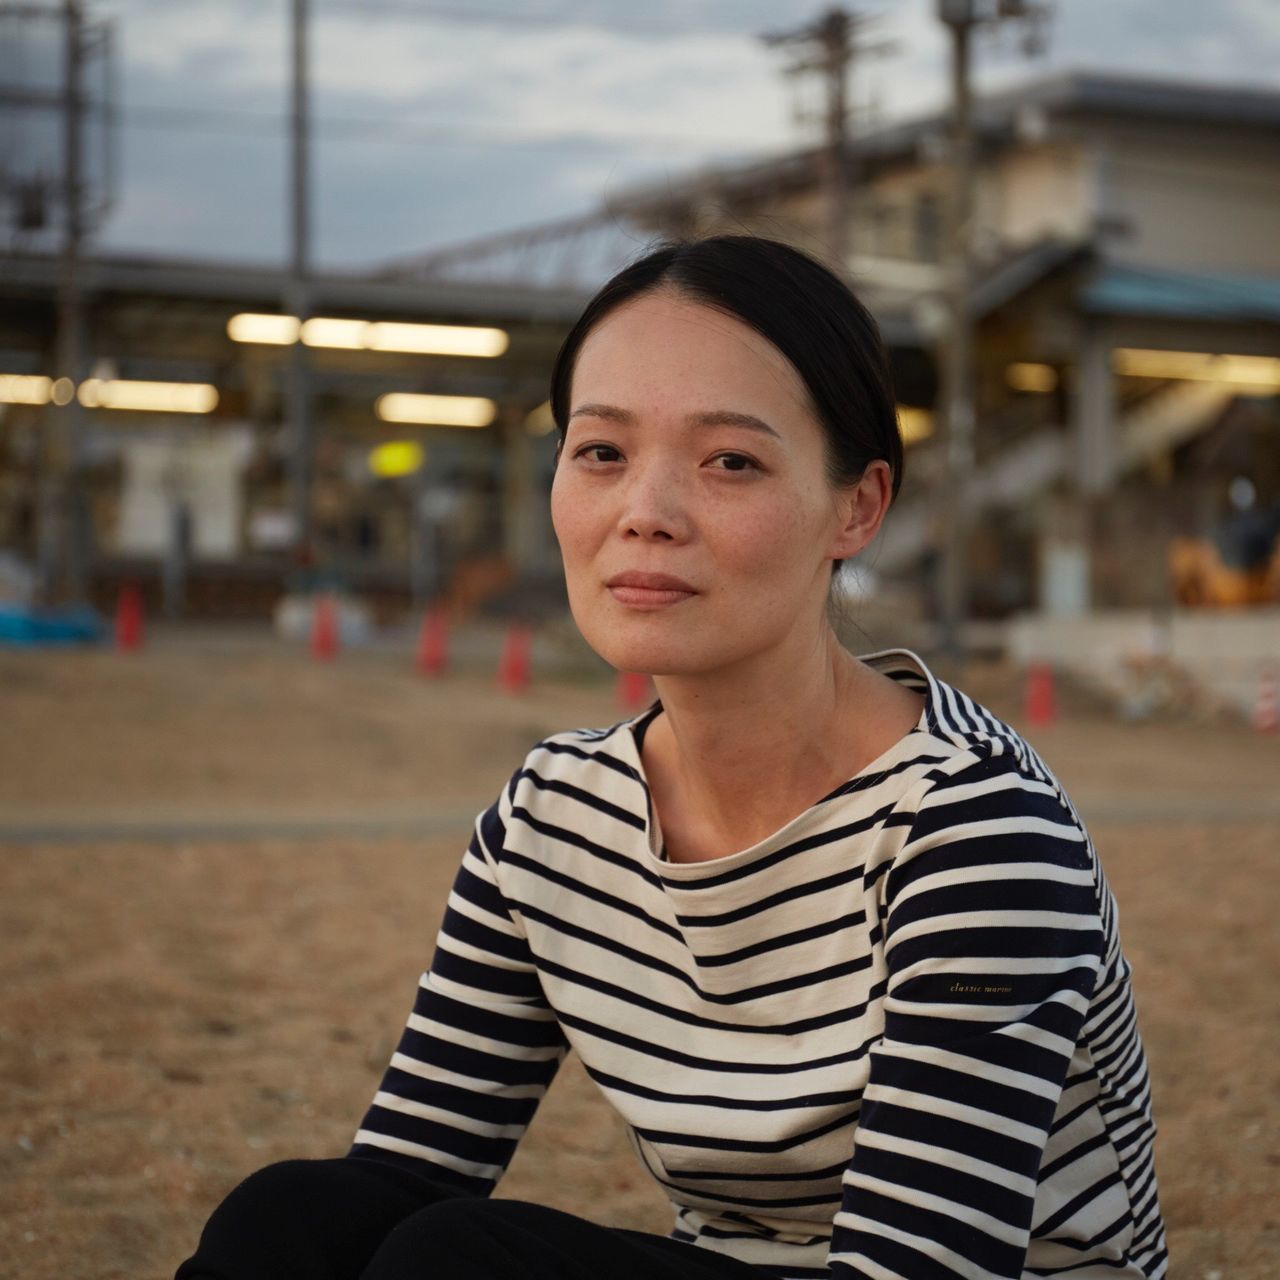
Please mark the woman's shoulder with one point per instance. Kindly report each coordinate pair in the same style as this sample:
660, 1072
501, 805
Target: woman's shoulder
973, 750
580, 764
584, 751
563, 780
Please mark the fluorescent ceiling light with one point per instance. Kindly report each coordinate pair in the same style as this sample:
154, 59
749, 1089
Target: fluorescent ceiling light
369, 335
440, 411
25, 388
100, 393
148, 397
1199, 366
346, 334
281, 331
436, 339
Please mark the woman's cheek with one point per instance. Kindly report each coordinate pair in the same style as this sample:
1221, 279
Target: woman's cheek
769, 535
562, 519
557, 496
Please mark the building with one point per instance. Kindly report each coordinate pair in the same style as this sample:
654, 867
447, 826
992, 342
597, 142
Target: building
1127, 303
1127, 311
183, 446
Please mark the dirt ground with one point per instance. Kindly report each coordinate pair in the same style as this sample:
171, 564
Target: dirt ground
221, 870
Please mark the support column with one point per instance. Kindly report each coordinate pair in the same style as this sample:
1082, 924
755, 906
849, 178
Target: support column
1093, 410
519, 490
1095, 452
298, 409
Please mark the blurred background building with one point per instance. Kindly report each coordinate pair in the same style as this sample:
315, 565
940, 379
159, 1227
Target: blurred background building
1121, 296
1126, 303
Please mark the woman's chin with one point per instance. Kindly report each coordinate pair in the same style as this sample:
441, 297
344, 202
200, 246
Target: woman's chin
654, 656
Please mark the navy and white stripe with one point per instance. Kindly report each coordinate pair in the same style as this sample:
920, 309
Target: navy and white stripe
893, 1040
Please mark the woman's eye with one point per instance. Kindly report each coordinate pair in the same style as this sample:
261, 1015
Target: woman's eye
735, 462
598, 448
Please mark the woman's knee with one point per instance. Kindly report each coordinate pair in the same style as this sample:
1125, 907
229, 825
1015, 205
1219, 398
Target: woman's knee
453, 1236
269, 1193
321, 1185
306, 1210
278, 1203
480, 1239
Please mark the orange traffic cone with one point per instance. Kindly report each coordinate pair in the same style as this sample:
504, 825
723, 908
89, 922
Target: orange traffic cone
433, 642
1266, 712
1040, 708
633, 690
324, 628
129, 617
513, 666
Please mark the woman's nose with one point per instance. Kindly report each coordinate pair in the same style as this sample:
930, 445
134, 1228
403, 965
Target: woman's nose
654, 507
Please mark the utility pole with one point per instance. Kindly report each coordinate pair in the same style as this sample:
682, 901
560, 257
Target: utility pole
957, 352
64, 532
959, 416
830, 46
62, 523
298, 299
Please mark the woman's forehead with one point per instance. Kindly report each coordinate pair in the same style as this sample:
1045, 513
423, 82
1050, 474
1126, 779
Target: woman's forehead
670, 349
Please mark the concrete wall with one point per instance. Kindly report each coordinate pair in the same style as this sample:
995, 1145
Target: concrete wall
1204, 199
1194, 198
1040, 191
1224, 653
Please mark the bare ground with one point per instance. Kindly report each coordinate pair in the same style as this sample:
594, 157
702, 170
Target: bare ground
221, 870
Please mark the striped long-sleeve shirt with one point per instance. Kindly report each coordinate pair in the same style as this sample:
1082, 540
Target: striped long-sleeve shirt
895, 1039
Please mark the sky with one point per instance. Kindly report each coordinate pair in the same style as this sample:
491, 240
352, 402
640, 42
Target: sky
439, 122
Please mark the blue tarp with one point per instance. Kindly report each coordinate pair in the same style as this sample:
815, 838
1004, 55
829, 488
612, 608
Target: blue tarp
22, 626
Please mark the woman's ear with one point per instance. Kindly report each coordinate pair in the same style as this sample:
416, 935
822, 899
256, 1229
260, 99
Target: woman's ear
862, 506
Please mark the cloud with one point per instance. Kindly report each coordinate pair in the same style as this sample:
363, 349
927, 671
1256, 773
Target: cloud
230, 44
466, 104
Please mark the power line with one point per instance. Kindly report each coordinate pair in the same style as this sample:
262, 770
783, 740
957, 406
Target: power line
426, 12
231, 121
505, 17
245, 121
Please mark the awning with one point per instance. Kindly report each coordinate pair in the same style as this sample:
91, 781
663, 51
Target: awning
1143, 291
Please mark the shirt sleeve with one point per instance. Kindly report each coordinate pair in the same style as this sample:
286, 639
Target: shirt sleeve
993, 941
481, 1044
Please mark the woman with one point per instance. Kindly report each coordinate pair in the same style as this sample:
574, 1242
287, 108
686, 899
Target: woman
827, 933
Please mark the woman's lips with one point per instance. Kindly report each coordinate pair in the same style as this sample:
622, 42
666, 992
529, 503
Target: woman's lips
642, 589
651, 597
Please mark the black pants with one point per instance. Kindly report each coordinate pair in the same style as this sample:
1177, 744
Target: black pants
352, 1218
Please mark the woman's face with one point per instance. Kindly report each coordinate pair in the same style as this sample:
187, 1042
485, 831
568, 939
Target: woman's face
691, 454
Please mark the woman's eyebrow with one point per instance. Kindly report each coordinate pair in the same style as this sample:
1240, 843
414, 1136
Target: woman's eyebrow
705, 418
606, 411
731, 418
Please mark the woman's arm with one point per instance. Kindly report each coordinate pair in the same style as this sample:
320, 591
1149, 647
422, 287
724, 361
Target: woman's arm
481, 1045
993, 942
478, 1052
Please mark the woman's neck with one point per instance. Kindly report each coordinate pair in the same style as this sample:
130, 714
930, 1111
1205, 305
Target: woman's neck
737, 755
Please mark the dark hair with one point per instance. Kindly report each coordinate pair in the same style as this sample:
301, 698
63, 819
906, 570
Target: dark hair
800, 306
